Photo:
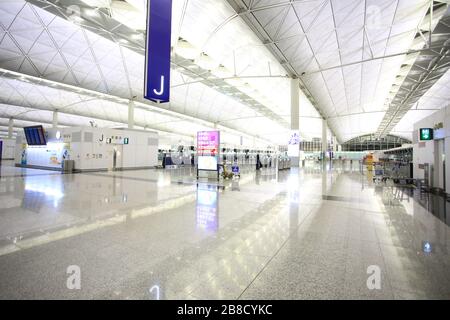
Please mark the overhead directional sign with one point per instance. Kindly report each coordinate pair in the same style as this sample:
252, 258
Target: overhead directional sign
425, 134
157, 53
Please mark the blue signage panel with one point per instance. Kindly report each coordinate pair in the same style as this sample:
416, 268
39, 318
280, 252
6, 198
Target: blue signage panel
157, 53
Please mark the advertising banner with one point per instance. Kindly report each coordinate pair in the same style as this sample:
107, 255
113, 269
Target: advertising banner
208, 144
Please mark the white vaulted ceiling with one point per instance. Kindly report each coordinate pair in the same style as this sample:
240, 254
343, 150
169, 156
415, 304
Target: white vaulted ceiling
37, 43
434, 99
322, 41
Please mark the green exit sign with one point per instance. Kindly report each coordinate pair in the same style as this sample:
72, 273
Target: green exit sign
425, 134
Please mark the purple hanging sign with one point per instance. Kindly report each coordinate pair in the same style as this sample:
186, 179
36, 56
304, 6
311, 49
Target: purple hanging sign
157, 53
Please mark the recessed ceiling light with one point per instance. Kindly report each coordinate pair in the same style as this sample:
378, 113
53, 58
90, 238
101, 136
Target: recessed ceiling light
76, 18
91, 12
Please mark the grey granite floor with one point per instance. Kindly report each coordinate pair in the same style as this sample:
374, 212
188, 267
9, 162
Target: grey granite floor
154, 234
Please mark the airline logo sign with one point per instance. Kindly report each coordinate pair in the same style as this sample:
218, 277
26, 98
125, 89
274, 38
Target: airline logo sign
157, 53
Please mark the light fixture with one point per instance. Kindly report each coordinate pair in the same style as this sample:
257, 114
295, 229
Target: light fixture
186, 50
91, 12
76, 18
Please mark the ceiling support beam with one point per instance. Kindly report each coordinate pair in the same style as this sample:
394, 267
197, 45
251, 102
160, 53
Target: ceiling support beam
32, 120
107, 27
131, 114
55, 119
427, 67
10, 74
247, 14
10, 127
21, 116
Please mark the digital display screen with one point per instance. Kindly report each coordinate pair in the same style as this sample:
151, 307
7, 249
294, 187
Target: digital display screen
208, 143
207, 163
35, 136
425, 134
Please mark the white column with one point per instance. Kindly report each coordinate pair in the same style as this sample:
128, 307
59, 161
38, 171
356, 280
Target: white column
295, 104
294, 151
131, 114
295, 118
10, 127
324, 137
55, 119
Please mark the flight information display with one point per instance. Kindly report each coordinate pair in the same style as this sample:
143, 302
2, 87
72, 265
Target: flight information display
35, 136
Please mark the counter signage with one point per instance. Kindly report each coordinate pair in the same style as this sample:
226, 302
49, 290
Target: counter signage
157, 53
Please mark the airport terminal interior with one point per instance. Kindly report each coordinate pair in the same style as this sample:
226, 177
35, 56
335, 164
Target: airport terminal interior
224, 149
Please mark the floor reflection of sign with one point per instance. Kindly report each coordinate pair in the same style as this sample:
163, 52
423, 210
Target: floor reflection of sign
33, 201
293, 196
155, 291
427, 248
207, 211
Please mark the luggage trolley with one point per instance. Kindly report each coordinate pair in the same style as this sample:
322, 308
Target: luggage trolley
379, 173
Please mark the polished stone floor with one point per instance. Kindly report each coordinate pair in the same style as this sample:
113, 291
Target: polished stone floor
306, 233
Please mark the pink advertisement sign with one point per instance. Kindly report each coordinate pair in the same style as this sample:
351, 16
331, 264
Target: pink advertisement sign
208, 143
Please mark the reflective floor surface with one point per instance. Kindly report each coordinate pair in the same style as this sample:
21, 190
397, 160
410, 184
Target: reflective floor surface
304, 233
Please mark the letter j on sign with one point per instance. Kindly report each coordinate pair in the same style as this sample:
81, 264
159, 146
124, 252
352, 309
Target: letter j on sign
157, 53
